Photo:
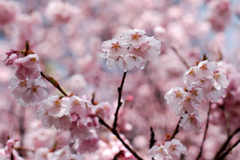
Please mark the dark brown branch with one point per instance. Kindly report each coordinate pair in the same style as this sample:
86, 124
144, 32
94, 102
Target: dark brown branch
119, 101
205, 132
53, 82
23, 149
152, 140
115, 132
223, 147
180, 57
226, 115
176, 130
227, 152
93, 98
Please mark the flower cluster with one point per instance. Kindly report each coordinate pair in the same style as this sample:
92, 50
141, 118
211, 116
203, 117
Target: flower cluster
77, 115
169, 150
203, 83
72, 113
27, 86
132, 49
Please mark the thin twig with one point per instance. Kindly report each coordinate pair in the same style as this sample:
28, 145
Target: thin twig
152, 140
93, 97
223, 147
23, 149
119, 101
115, 132
205, 132
53, 82
176, 129
226, 115
228, 151
180, 57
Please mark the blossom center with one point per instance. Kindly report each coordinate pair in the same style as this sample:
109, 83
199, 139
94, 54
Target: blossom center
23, 84
204, 67
136, 36
115, 46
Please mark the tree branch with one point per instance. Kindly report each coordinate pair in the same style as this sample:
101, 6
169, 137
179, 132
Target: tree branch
115, 132
152, 140
119, 100
53, 82
205, 132
180, 57
227, 152
176, 129
223, 147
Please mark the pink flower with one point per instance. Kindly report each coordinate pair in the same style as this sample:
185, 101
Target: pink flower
28, 67
103, 109
60, 12
221, 79
154, 47
133, 49
9, 146
175, 96
78, 130
65, 154
89, 145
11, 57
175, 148
56, 112
28, 92
30, 73
141, 51
190, 75
120, 61
114, 48
80, 106
134, 37
56, 107
191, 122
133, 60
159, 152
215, 94
206, 68
29, 61
8, 11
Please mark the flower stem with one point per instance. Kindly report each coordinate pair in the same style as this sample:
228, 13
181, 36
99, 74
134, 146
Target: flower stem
119, 100
205, 132
55, 84
180, 57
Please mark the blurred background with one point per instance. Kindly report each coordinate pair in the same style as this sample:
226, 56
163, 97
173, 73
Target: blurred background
67, 35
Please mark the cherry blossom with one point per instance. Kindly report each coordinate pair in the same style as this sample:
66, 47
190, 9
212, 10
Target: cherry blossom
55, 111
28, 92
159, 152
132, 49
175, 148
191, 122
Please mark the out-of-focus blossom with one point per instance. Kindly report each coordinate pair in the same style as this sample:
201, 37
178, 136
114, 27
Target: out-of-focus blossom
60, 12
8, 12
65, 154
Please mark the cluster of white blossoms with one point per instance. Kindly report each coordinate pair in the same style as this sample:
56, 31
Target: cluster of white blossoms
72, 113
77, 115
27, 86
169, 150
203, 83
132, 49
